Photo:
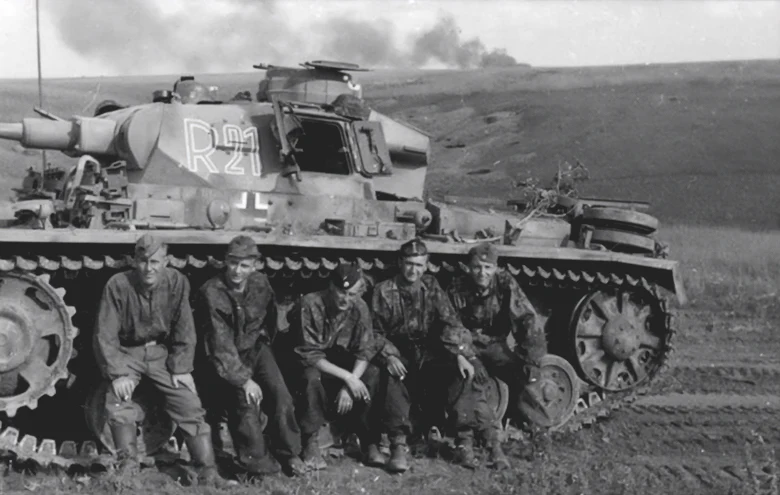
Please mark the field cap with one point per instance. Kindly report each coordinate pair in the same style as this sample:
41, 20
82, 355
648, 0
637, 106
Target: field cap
415, 247
345, 276
147, 245
485, 252
242, 246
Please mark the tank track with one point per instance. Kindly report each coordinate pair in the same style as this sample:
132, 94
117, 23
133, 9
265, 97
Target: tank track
591, 407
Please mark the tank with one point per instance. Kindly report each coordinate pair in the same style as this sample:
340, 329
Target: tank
314, 183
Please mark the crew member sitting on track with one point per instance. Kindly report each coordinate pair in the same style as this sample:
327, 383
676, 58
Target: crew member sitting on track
236, 311
335, 345
144, 329
492, 306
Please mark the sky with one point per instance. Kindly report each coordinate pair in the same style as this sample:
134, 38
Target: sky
141, 37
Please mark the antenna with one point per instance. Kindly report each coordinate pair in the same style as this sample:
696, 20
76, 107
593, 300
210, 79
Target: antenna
40, 82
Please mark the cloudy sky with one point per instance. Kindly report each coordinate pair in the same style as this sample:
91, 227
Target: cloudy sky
135, 37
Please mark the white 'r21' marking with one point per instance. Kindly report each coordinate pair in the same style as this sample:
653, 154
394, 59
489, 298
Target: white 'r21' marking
202, 141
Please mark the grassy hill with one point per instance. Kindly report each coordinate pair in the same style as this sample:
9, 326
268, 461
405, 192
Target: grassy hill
699, 141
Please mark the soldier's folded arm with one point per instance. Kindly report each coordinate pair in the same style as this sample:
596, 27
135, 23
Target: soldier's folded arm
382, 345
311, 340
219, 339
181, 342
457, 340
366, 343
111, 359
529, 335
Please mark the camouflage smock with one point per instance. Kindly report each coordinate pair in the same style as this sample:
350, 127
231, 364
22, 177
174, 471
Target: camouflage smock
320, 326
415, 321
233, 324
502, 309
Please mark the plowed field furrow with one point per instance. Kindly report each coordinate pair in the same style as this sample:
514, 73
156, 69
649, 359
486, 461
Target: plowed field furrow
723, 378
690, 476
687, 402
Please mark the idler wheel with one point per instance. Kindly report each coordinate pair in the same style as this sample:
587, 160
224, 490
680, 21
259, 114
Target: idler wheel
36, 339
550, 401
618, 338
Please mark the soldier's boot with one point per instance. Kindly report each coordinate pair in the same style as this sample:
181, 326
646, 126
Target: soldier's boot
202, 455
296, 466
373, 456
397, 462
312, 455
255, 459
259, 466
464, 450
496, 457
126, 444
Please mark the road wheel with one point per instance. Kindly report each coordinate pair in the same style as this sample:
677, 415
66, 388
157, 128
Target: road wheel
550, 401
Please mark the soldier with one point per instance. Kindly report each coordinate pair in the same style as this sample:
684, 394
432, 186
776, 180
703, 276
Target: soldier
237, 312
418, 326
492, 306
144, 329
335, 345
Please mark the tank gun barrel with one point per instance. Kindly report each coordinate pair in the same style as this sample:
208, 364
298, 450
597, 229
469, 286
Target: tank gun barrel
13, 132
80, 135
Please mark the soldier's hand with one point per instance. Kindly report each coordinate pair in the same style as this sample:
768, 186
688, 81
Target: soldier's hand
357, 388
532, 372
184, 379
343, 401
396, 367
480, 373
252, 392
124, 387
466, 369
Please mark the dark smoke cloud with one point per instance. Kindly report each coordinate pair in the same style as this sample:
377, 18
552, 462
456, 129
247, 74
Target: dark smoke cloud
135, 36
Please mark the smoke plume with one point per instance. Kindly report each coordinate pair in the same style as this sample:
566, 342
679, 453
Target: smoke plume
141, 37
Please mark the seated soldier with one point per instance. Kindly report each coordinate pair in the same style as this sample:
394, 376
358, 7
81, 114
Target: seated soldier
237, 314
492, 306
335, 345
415, 320
144, 330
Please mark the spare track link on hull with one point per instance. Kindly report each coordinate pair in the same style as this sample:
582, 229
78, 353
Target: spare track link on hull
591, 406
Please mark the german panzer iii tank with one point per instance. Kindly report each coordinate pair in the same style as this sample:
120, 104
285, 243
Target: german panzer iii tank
314, 183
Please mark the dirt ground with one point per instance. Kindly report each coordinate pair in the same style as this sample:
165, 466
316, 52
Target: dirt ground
710, 429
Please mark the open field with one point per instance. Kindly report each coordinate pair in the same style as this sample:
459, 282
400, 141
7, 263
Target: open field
697, 141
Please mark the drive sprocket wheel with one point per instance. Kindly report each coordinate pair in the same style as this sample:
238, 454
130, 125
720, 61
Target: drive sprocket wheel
619, 338
36, 339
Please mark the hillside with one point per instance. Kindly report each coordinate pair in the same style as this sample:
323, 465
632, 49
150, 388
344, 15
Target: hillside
699, 141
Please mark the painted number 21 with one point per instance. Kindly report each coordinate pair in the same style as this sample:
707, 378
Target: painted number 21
204, 146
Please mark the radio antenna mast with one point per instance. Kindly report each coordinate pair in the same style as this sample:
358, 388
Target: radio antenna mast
40, 82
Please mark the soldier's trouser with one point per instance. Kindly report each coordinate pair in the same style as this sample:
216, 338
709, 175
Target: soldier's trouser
423, 390
181, 404
244, 420
468, 405
503, 363
318, 394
